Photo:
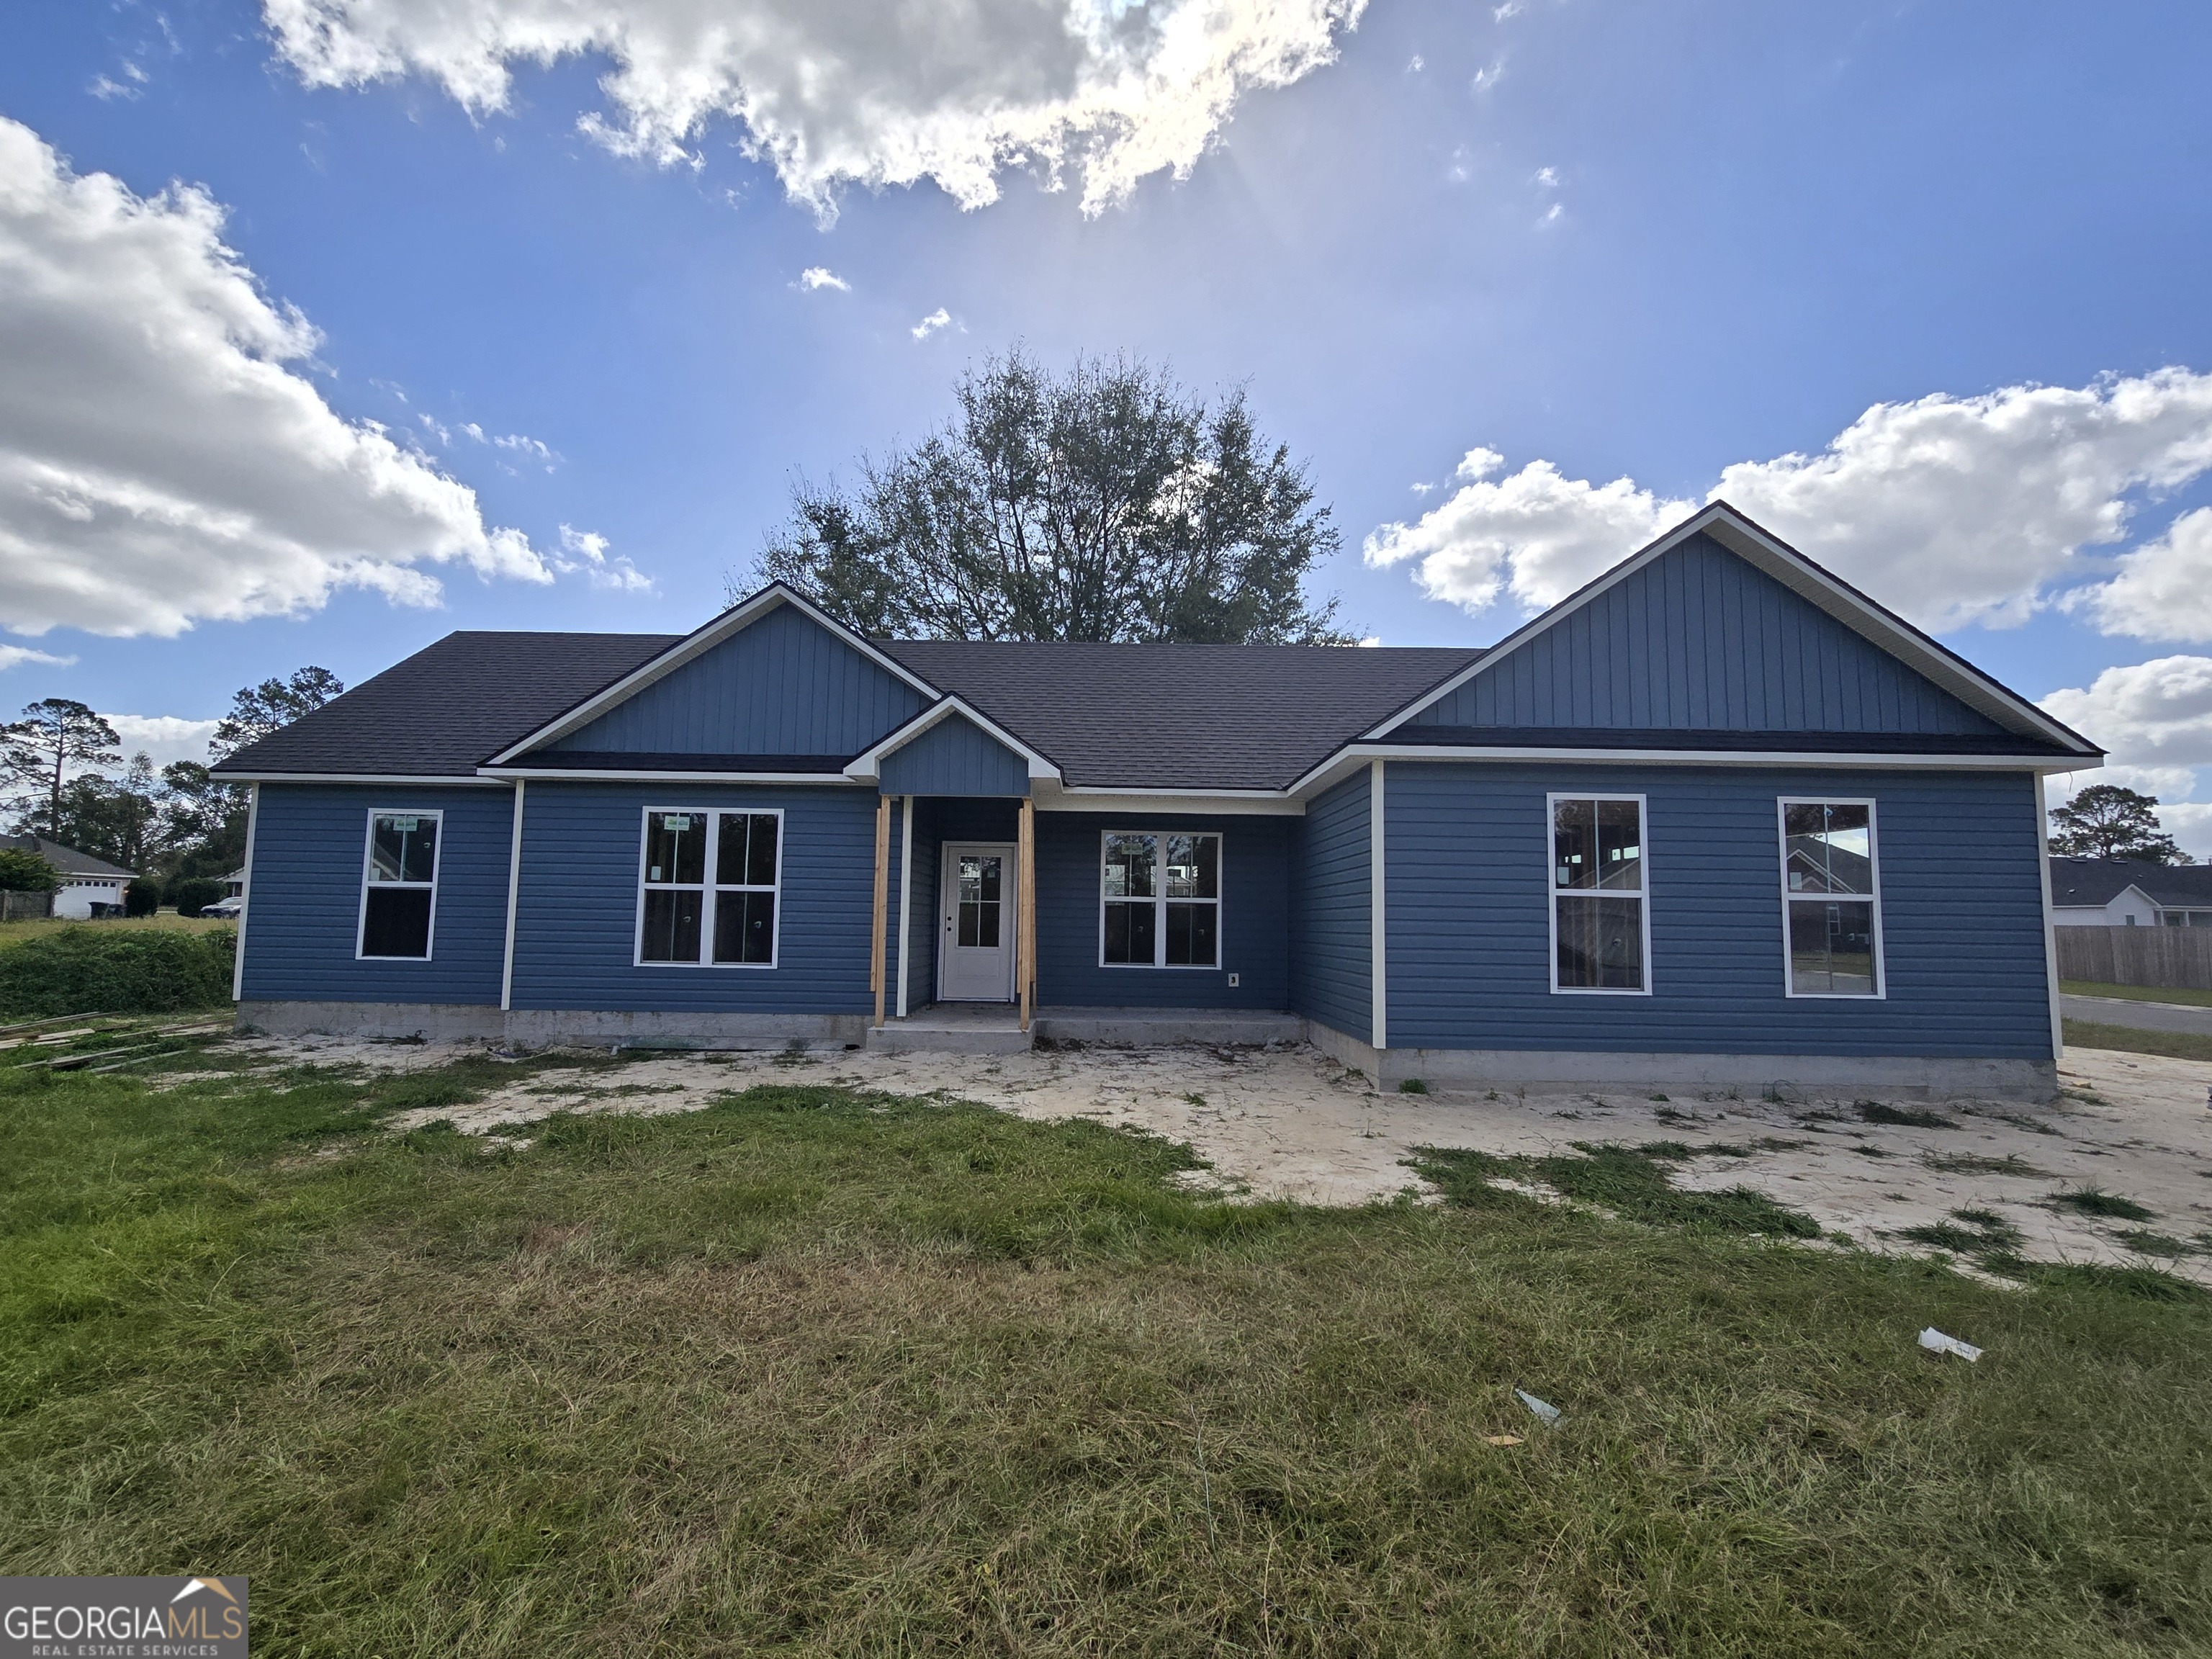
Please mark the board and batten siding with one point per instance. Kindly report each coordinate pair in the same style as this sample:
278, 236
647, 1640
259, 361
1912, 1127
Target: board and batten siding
576, 914
1331, 943
1961, 915
1255, 931
310, 847
781, 686
1699, 640
955, 756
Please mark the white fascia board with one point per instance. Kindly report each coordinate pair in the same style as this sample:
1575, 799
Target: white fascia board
1247, 802
1351, 759
595, 775
381, 779
867, 767
1774, 557
735, 620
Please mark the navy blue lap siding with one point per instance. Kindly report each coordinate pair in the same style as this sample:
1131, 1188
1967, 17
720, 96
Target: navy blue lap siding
1255, 935
1469, 937
576, 924
309, 844
1331, 935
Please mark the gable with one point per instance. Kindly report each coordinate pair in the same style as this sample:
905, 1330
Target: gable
1700, 640
955, 756
782, 685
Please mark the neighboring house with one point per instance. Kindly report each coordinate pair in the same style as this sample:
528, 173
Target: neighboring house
88, 886
234, 885
2128, 893
1704, 822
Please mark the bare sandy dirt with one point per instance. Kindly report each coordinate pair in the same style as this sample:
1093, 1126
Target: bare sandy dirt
1286, 1122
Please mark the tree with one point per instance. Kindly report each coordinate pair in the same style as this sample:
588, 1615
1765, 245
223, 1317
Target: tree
2106, 820
26, 873
36, 750
1107, 503
203, 820
117, 820
257, 710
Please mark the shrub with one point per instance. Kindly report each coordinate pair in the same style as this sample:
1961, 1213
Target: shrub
142, 898
25, 872
189, 893
82, 970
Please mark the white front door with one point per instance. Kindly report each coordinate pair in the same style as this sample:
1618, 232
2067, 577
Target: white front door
976, 941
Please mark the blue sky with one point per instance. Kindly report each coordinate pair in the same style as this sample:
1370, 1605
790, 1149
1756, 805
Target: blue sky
1648, 241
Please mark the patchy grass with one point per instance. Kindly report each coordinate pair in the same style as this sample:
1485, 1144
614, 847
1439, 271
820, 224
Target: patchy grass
2012, 1163
2106, 1207
2129, 1040
1902, 1117
2167, 993
1631, 1182
810, 1372
2145, 1243
1981, 1235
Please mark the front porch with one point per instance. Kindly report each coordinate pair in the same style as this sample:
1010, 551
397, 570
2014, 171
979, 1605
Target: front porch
991, 929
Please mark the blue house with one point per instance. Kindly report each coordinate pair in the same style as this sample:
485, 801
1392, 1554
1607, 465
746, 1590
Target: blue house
1717, 820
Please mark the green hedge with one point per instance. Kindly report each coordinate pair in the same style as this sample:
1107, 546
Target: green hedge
90, 969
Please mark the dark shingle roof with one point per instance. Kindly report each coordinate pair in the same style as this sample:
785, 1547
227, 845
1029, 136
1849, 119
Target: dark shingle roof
66, 860
449, 707
1664, 736
2099, 881
1181, 716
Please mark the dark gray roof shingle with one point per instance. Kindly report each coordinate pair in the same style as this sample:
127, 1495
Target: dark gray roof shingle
1181, 716
66, 860
2080, 882
451, 705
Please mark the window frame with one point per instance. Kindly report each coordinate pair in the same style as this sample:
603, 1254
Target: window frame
369, 865
1220, 900
1554, 891
1782, 805
712, 888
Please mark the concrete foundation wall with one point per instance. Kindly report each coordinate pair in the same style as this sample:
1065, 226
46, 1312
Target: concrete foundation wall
1541, 1070
540, 1028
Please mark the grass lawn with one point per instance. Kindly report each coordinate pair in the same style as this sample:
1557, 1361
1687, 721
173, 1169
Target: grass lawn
13, 933
2082, 987
2129, 1040
813, 1373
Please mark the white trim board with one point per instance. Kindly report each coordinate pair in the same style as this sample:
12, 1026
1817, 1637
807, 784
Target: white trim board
1774, 557
700, 641
374, 780
507, 773
1349, 760
1790, 991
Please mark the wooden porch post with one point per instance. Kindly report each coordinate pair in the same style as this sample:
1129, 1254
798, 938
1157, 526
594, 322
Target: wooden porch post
882, 896
1025, 913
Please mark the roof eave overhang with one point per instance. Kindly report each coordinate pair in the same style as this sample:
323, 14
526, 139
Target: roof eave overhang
646, 774
398, 779
733, 621
1352, 757
1771, 554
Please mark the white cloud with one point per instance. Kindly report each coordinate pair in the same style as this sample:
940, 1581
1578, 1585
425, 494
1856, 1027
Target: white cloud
929, 324
160, 463
1414, 65
2190, 824
832, 92
14, 656
2156, 714
515, 443
1952, 510
1505, 13
1489, 76
821, 277
2164, 588
585, 551
1547, 178
163, 738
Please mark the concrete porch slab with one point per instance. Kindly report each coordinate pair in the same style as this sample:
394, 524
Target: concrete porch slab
954, 1028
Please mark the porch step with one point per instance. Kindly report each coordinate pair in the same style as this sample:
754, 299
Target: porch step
988, 1028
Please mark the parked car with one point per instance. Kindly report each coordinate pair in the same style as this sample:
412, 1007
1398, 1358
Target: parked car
224, 910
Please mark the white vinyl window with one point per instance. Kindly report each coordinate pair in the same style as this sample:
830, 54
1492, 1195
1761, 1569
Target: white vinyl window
1831, 899
1600, 916
1159, 899
707, 888
398, 886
